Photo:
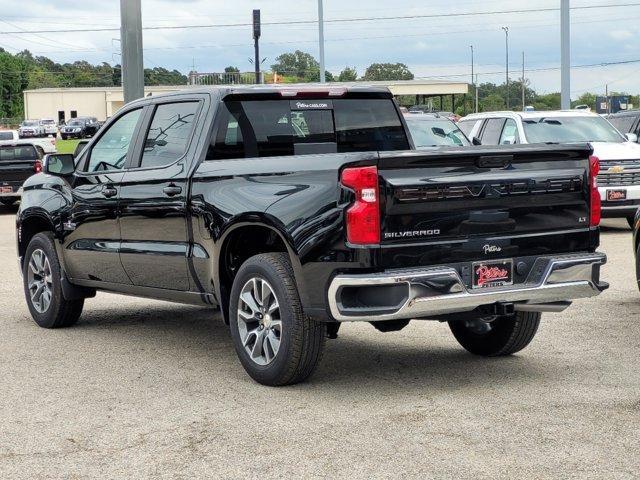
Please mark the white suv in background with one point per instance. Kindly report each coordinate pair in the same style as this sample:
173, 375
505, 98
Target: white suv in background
619, 178
49, 126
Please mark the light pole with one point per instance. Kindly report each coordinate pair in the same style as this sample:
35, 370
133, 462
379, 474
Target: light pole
506, 39
473, 84
321, 39
565, 54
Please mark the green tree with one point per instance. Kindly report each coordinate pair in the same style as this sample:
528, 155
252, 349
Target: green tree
299, 64
585, 99
349, 74
492, 102
387, 71
231, 70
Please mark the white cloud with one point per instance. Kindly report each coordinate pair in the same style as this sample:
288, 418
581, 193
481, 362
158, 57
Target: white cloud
621, 34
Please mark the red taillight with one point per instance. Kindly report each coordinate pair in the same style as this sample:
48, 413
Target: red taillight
363, 217
37, 167
596, 205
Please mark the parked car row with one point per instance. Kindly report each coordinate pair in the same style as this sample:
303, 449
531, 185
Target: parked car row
79, 127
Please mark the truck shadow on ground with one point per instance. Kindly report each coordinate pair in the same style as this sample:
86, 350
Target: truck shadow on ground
352, 361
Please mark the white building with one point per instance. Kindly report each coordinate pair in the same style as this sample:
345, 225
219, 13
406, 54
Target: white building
65, 103
103, 102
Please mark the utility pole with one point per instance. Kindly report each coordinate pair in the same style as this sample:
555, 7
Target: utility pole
476, 84
131, 45
321, 39
523, 83
565, 54
506, 39
256, 43
472, 77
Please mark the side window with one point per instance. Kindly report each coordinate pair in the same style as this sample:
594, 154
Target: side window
110, 151
492, 131
510, 133
169, 133
467, 126
228, 142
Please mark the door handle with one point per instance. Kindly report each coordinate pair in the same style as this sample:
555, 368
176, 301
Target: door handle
172, 190
109, 192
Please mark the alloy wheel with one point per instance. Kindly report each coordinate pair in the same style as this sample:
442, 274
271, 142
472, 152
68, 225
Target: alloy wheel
40, 281
259, 321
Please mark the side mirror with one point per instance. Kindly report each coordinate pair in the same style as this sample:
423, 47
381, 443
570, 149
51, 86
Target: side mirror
60, 164
439, 132
476, 141
631, 137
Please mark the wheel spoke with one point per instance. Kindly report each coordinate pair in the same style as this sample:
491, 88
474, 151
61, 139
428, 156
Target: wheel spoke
256, 351
274, 306
256, 292
253, 334
33, 265
249, 301
274, 342
265, 293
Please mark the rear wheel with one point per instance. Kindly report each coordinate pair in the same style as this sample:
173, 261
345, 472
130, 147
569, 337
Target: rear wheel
42, 279
502, 336
276, 342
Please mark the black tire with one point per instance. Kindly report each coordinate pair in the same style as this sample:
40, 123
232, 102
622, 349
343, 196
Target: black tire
630, 221
7, 202
504, 336
301, 340
63, 137
60, 312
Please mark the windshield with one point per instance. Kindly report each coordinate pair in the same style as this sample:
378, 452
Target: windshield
570, 130
29, 123
47, 122
435, 133
75, 123
22, 152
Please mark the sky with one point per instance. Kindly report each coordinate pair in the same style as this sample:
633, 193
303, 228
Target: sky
433, 38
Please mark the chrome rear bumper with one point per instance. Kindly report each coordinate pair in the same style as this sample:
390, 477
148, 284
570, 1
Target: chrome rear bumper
434, 291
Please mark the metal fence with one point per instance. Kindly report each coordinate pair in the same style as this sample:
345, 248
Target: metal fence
225, 78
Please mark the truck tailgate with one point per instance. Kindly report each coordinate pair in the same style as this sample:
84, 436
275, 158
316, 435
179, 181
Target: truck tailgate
478, 203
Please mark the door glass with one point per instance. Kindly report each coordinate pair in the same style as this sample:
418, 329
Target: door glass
492, 131
110, 152
509, 133
169, 133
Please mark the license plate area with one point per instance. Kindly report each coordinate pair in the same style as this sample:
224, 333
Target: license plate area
492, 273
616, 195
5, 189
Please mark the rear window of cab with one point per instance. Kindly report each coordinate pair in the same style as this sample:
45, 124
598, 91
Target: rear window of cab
263, 128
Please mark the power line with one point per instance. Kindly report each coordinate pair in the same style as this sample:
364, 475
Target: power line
335, 20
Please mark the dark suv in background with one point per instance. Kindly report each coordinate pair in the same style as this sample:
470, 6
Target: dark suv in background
626, 122
80, 127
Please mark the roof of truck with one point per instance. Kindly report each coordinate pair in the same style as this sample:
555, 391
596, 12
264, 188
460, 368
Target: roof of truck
535, 114
284, 89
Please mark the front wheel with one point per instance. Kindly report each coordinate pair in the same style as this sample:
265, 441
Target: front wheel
502, 336
42, 277
276, 342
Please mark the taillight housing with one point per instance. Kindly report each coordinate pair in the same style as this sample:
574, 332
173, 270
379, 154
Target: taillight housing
596, 204
363, 216
37, 166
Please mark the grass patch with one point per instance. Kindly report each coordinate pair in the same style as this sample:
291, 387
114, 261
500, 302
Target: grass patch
66, 146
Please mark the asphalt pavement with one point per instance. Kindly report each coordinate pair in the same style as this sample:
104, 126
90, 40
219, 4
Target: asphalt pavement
148, 389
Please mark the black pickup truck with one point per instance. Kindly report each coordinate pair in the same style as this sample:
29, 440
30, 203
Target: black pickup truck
17, 163
295, 209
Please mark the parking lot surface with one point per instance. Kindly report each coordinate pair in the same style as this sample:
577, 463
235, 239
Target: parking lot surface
141, 388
